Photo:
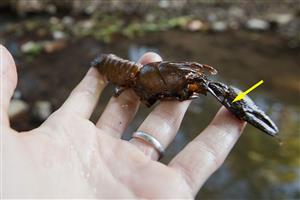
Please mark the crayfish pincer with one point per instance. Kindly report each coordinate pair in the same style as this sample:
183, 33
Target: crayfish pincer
178, 81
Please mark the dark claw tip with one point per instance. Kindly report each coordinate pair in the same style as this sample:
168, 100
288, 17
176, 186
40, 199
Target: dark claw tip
244, 109
262, 121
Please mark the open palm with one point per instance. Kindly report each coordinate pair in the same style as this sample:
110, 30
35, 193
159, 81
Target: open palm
70, 157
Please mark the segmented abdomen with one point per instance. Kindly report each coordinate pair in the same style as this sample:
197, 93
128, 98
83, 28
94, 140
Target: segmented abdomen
119, 71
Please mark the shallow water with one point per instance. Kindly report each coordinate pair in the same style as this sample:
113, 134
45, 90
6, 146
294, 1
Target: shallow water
259, 166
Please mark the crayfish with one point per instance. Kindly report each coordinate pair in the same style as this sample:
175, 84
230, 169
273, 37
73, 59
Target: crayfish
180, 81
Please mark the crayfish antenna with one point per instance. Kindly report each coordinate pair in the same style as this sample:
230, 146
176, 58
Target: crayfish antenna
211, 69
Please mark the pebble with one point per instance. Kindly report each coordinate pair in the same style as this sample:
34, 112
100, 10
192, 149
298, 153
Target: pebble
281, 19
59, 35
53, 46
219, 26
257, 24
17, 107
68, 20
31, 47
163, 3
195, 25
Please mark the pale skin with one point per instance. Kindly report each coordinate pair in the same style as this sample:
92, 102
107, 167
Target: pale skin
68, 156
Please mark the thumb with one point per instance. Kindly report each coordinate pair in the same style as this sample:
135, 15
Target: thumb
8, 82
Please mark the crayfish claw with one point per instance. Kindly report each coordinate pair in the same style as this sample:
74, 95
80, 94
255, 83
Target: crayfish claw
244, 109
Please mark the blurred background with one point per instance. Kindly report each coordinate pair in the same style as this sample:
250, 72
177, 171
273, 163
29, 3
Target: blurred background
53, 42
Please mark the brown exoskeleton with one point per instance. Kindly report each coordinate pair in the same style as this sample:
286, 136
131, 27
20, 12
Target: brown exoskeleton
178, 80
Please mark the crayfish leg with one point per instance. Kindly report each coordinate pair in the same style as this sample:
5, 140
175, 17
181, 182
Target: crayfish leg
118, 90
149, 102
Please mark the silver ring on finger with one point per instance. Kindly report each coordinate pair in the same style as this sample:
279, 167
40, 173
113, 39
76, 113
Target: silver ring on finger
149, 139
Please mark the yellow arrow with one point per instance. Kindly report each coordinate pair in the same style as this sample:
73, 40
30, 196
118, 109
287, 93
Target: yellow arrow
241, 95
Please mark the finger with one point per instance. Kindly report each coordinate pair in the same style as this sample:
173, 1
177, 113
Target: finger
121, 110
84, 97
162, 123
8, 82
201, 157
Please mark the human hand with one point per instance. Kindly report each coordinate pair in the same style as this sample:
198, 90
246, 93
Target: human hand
70, 157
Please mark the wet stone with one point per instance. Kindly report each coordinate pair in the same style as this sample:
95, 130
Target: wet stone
280, 18
257, 24
219, 26
195, 25
53, 46
59, 35
31, 47
68, 20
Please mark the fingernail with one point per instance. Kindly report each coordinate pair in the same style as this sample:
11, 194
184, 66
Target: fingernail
150, 57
